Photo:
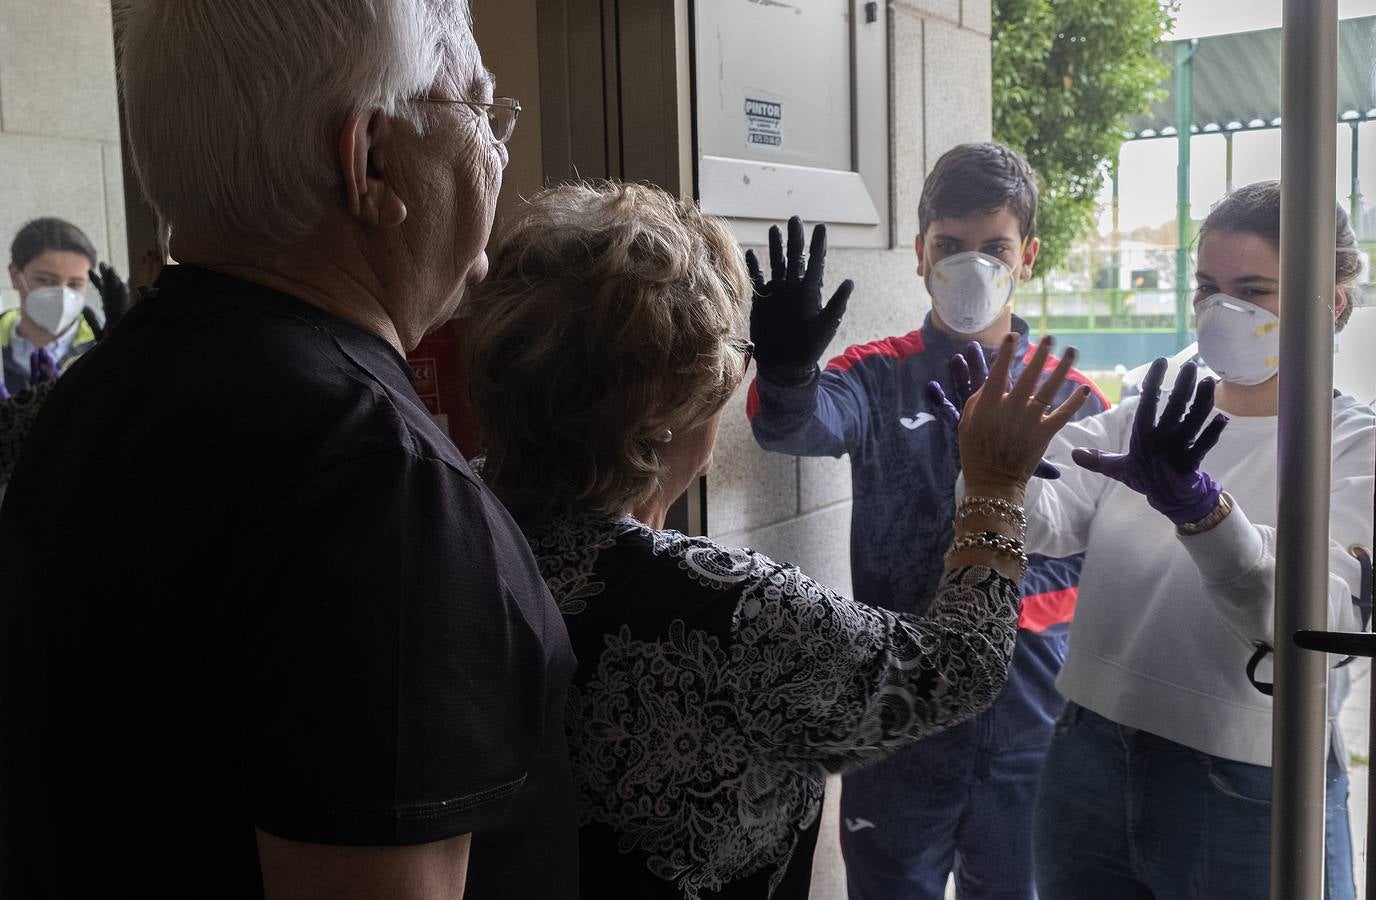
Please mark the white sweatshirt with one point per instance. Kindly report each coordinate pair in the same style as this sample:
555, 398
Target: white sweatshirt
1165, 624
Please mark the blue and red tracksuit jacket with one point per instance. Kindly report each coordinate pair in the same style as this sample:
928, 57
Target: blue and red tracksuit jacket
871, 403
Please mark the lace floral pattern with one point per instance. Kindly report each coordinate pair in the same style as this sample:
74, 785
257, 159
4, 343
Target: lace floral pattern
567, 550
17, 416
705, 748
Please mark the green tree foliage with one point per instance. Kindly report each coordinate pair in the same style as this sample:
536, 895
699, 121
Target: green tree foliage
1068, 75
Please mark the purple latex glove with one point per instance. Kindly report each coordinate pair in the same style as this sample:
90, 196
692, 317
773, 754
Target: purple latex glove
1163, 458
969, 371
42, 367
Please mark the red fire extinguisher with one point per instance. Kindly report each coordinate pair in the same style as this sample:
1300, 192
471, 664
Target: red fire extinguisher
437, 372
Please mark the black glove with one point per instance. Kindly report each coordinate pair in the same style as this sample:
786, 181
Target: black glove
114, 296
788, 323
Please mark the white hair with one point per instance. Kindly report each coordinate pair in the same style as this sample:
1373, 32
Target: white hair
234, 108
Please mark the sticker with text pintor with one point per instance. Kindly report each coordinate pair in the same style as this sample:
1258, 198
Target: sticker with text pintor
764, 123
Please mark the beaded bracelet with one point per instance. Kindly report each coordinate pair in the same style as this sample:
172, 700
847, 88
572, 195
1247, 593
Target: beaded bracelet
998, 543
993, 508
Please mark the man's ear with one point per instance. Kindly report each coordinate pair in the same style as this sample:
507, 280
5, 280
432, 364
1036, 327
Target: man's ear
921, 249
16, 277
1341, 301
1029, 258
366, 143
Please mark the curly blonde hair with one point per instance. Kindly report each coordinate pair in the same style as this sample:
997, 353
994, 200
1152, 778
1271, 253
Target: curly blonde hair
605, 322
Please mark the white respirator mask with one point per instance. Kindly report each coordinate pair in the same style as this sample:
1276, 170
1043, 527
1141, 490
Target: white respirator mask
54, 309
1238, 340
969, 290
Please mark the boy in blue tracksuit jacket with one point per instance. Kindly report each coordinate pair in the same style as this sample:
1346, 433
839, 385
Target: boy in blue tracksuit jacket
961, 800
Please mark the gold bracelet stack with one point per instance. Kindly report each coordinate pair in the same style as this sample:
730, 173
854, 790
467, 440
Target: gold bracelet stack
1001, 544
995, 509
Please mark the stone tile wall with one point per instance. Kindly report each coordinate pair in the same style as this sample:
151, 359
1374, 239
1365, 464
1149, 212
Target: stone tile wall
799, 509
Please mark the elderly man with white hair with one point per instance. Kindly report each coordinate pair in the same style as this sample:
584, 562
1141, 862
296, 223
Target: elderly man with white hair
264, 633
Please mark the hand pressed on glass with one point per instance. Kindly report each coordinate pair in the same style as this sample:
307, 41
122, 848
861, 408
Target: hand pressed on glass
969, 371
789, 325
1003, 433
1163, 458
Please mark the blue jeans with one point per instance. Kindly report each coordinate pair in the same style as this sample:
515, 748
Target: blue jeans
1125, 814
967, 808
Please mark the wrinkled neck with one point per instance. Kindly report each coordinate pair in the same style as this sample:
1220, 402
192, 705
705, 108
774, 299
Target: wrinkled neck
652, 513
333, 272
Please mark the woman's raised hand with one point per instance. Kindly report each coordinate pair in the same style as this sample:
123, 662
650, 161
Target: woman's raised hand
1004, 434
1164, 456
969, 371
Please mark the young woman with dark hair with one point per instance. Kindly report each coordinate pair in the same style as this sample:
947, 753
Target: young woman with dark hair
1158, 783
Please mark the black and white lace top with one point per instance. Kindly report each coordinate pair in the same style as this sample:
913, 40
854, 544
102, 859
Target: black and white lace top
717, 688
17, 416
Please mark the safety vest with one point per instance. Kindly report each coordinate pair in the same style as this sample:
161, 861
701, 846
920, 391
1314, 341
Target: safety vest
85, 338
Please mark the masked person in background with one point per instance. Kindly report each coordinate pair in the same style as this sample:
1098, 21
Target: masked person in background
51, 262
1158, 782
19, 411
960, 800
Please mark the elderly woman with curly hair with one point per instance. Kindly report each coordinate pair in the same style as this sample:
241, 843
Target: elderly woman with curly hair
716, 688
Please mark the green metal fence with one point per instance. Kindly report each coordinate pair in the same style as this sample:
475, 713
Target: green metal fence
1113, 327
1095, 311
1147, 310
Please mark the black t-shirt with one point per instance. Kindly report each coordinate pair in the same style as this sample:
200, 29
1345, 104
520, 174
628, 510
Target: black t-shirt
246, 582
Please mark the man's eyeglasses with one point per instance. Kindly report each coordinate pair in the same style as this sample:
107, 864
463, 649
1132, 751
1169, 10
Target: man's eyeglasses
501, 114
746, 349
